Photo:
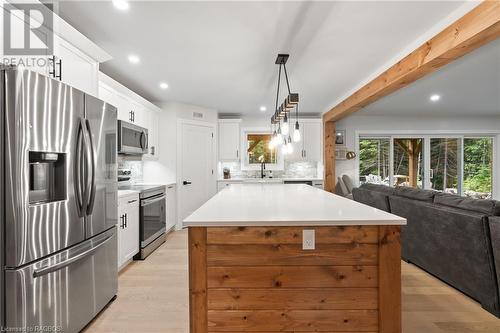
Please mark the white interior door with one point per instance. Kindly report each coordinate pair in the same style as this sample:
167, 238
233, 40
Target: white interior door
197, 167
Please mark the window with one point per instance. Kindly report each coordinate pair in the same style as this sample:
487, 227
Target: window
453, 164
258, 149
445, 164
408, 158
374, 160
478, 167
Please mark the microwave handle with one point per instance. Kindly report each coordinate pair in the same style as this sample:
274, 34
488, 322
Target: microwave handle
148, 202
143, 140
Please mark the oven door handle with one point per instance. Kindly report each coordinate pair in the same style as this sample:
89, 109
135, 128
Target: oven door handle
150, 201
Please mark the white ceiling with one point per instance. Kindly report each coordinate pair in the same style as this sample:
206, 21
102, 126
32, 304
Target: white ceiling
469, 86
221, 54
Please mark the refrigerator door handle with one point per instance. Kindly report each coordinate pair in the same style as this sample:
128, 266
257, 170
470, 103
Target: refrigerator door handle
69, 261
79, 170
88, 164
90, 203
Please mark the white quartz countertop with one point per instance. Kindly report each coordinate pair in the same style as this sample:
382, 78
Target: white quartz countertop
239, 180
125, 193
285, 205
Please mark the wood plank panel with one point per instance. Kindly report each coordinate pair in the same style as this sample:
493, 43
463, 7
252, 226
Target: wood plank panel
293, 277
329, 156
389, 279
265, 255
476, 28
292, 235
293, 299
197, 240
294, 320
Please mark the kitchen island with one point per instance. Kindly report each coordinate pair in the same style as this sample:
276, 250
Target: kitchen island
292, 258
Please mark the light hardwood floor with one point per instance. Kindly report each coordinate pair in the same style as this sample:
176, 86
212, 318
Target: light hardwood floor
153, 297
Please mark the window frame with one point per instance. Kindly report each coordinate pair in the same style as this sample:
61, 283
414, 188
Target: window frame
245, 165
427, 136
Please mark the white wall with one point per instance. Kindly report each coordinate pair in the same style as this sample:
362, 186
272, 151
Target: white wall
417, 125
164, 169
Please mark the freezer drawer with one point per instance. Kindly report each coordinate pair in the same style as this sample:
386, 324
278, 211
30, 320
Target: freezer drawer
65, 291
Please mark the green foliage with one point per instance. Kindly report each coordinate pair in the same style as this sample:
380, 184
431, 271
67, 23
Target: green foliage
478, 159
374, 157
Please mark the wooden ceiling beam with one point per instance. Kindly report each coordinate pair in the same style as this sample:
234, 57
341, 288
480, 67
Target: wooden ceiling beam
476, 28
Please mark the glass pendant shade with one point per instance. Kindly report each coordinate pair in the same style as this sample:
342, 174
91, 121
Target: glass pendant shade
296, 133
284, 149
289, 148
285, 127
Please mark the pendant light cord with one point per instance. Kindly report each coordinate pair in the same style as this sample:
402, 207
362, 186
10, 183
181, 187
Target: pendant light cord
278, 92
286, 76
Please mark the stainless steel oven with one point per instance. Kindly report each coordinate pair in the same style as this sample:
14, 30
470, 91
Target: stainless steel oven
152, 220
132, 139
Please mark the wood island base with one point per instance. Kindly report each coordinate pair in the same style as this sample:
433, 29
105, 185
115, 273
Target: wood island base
259, 279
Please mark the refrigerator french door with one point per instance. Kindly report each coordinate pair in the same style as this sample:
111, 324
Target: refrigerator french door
59, 189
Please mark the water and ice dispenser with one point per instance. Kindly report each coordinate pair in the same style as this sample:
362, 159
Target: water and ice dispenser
47, 177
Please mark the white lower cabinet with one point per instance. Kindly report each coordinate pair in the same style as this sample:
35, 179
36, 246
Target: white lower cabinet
128, 228
171, 206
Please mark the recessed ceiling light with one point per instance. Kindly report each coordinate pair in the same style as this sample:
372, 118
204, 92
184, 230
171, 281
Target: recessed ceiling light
134, 59
163, 85
121, 4
435, 98
263, 108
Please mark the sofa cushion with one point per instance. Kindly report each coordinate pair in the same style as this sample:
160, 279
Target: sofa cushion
489, 207
415, 193
375, 199
377, 188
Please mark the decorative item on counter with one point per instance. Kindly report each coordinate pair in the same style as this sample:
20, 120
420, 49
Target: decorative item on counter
350, 155
227, 173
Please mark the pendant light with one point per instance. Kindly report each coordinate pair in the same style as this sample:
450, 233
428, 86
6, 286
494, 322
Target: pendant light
282, 112
286, 126
296, 132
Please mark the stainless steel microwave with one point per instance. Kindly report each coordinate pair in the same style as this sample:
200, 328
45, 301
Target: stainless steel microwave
132, 139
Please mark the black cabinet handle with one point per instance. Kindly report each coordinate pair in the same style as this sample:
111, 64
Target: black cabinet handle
186, 182
126, 220
122, 224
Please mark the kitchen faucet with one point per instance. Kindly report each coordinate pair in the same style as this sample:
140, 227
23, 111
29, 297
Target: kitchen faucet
262, 166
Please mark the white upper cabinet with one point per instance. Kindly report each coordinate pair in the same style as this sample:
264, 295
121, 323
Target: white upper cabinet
229, 139
313, 141
310, 146
75, 67
153, 121
76, 59
134, 109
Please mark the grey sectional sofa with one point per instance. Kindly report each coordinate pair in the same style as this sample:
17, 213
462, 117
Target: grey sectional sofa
454, 238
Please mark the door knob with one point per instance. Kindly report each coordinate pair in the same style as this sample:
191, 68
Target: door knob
186, 182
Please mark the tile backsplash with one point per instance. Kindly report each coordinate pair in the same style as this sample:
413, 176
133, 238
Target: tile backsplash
291, 170
134, 164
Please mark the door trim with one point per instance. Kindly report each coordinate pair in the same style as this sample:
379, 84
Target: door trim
180, 123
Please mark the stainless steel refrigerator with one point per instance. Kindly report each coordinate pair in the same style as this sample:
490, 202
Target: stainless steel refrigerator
58, 203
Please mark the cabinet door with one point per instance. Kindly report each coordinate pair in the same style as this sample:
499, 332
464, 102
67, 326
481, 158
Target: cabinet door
229, 141
312, 141
122, 207
131, 239
153, 120
112, 97
171, 206
140, 116
77, 69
